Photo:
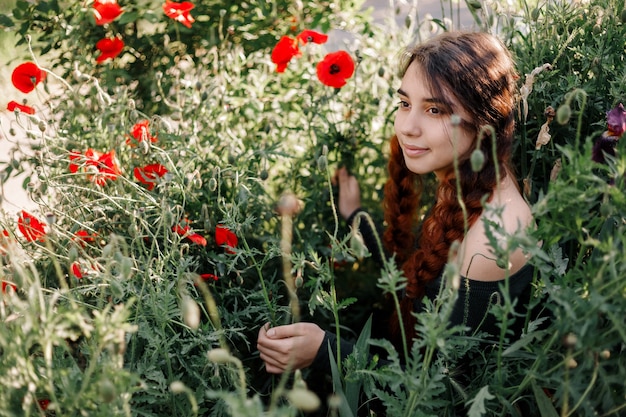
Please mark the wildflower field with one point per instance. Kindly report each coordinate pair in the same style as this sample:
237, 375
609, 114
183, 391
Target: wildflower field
180, 156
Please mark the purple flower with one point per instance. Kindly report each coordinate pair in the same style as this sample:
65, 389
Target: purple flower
603, 145
616, 121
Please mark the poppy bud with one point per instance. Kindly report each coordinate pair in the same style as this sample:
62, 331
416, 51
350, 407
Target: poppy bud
219, 356
605, 354
571, 363
303, 399
107, 390
474, 4
563, 114
535, 14
212, 184
322, 163
191, 313
477, 160
570, 340
357, 244
623, 16
263, 174
178, 387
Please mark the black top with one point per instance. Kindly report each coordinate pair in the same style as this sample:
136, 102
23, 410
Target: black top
471, 308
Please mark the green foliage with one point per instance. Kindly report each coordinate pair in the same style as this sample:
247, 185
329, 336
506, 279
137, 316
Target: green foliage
131, 335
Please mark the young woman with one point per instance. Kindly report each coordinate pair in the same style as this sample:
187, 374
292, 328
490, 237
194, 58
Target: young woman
455, 87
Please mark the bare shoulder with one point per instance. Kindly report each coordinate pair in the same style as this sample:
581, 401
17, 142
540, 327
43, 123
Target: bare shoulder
505, 214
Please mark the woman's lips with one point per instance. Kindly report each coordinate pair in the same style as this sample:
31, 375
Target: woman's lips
413, 151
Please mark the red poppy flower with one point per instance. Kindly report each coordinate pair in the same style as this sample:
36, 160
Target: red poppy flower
83, 236
335, 69
209, 277
312, 36
106, 166
26, 76
184, 230
141, 131
76, 271
44, 404
106, 11
12, 105
148, 174
30, 226
101, 167
6, 285
109, 48
179, 12
284, 51
223, 236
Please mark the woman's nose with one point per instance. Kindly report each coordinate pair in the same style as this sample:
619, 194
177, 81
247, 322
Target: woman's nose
408, 125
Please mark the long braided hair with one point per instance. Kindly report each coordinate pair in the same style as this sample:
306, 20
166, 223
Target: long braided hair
478, 70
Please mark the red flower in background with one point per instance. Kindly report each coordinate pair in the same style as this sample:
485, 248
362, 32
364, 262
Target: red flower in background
101, 166
312, 36
106, 11
44, 404
284, 51
13, 105
179, 12
184, 230
335, 69
83, 236
30, 226
6, 285
109, 48
76, 271
223, 236
140, 132
209, 277
26, 76
148, 174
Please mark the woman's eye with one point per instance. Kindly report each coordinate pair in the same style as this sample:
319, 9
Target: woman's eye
434, 110
403, 104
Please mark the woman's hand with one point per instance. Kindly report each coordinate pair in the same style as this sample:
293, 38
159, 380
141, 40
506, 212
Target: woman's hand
293, 346
349, 192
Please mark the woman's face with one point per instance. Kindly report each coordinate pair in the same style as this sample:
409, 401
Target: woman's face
428, 140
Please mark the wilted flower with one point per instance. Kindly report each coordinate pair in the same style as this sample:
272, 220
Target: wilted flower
14, 105
335, 69
179, 12
149, 174
30, 226
224, 237
527, 88
106, 11
284, 51
543, 138
26, 76
109, 48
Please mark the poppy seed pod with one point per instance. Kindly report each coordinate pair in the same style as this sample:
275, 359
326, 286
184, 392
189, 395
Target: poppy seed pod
219, 356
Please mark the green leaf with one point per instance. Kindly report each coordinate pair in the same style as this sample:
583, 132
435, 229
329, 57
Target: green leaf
128, 17
543, 402
6, 21
478, 408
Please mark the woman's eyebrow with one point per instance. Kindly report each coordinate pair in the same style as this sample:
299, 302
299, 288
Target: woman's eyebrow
433, 100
